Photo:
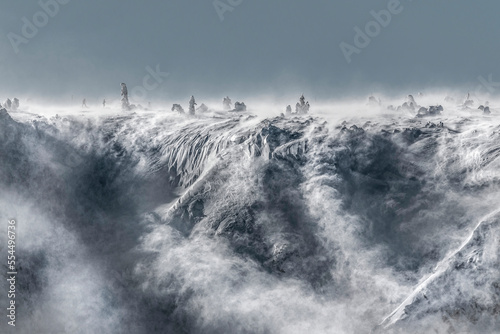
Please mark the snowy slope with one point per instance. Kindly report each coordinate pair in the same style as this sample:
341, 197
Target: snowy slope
153, 222
463, 290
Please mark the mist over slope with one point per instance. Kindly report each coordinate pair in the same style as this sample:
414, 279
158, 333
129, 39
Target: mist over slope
153, 222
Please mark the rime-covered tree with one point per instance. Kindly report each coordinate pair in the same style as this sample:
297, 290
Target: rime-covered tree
302, 107
177, 107
15, 104
226, 103
125, 102
8, 104
240, 106
192, 104
468, 101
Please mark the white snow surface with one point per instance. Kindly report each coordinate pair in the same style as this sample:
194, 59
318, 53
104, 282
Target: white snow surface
353, 219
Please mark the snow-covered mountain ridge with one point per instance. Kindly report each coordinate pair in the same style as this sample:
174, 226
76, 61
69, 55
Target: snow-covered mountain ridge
240, 223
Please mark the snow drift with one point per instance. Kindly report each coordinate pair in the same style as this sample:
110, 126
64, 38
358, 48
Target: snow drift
153, 222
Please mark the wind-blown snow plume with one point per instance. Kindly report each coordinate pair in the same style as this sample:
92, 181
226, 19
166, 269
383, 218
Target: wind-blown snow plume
221, 223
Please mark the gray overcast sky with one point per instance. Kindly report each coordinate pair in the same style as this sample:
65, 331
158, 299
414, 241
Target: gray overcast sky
270, 47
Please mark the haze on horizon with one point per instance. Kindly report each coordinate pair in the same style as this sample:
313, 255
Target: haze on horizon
85, 49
